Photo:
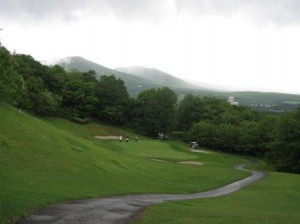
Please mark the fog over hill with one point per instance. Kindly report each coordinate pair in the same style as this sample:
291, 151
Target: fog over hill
138, 79
133, 83
159, 77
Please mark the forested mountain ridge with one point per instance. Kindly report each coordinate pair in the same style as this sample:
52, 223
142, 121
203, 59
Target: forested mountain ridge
133, 83
135, 80
138, 79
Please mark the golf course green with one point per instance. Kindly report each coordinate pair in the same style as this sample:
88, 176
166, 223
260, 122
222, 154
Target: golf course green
50, 160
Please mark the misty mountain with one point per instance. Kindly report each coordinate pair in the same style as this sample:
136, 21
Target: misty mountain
158, 77
134, 84
138, 79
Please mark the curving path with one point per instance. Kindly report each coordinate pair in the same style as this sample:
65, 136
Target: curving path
120, 209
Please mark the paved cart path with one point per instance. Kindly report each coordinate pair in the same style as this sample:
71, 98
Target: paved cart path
120, 209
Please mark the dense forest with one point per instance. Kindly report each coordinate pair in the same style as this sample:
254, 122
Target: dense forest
214, 123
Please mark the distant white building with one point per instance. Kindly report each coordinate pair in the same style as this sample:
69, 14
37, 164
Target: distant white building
232, 102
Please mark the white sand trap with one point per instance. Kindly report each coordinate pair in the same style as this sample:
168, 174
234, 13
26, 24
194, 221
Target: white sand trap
200, 151
182, 162
159, 160
191, 163
107, 137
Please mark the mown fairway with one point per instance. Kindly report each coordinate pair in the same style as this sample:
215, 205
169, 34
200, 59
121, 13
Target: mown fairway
53, 160
274, 200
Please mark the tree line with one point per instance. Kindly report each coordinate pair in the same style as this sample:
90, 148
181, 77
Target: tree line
214, 123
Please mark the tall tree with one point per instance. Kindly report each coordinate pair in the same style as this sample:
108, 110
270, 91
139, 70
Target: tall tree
55, 79
113, 100
156, 111
190, 110
204, 132
285, 151
79, 97
10, 83
35, 94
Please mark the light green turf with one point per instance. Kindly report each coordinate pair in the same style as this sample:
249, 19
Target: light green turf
273, 200
153, 149
44, 161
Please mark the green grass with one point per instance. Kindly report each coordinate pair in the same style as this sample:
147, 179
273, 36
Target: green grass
46, 161
152, 149
273, 200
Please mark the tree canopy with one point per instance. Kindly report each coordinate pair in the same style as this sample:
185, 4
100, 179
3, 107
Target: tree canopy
155, 111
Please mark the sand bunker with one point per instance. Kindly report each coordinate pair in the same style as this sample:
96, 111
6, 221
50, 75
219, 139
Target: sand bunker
159, 160
200, 151
107, 137
182, 162
191, 163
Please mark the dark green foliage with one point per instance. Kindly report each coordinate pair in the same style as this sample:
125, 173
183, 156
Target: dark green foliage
89, 76
229, 128
191, 109
38, 99
155, 111
204, 132
227, 138
78, 99
113, 100
10, 83
284, 153
55, 79
239, 130
36, 94
47, 90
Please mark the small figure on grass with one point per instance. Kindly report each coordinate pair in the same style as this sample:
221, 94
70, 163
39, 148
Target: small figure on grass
127, 139
135, 138
121, 138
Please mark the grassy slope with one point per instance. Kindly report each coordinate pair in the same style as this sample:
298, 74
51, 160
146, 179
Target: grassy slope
274, 200
53, 160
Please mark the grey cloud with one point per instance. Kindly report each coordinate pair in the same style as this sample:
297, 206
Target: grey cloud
65, 9
38, 9
264, 11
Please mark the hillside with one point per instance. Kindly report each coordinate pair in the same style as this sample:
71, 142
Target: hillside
262, 101
45, 161
136, 79
158, 77
134, 84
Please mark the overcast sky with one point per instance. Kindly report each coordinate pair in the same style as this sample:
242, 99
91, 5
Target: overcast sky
233, 44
